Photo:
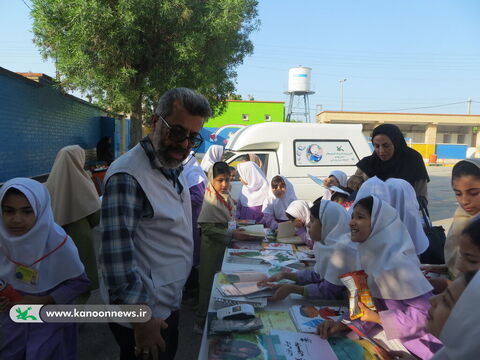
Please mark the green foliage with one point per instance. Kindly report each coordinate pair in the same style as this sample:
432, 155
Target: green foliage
126, 53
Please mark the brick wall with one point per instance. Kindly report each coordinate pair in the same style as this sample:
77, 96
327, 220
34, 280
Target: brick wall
37, 120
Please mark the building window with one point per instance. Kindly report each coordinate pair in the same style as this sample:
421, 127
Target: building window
245, 117
461, 139
268, 117
447, 138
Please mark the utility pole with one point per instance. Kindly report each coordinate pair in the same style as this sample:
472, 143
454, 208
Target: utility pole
469, 106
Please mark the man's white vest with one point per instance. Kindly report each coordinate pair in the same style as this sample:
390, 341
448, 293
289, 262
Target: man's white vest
163, 244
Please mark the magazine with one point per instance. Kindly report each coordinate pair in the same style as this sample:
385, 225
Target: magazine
278, 246
307, 317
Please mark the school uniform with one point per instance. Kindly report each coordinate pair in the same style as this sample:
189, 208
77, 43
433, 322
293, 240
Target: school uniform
398, 287
300, 209
214, 154
334, 254
197, 183
217, 211
404, 200
53, 260
342, 179
460, 334
253, 194
274, 208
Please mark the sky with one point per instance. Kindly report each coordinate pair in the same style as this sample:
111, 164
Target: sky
418, 56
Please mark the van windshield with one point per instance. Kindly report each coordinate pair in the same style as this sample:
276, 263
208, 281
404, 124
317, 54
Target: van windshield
227, 155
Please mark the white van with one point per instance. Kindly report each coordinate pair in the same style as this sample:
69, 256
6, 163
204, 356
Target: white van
295, 150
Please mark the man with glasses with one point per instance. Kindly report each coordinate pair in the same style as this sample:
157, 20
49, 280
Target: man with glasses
147, 244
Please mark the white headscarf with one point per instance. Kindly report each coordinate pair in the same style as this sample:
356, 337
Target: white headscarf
334, 253
256, 190
193, 172
373, 187
389, 258
342, 179
63, 264
300, 209
278, 206
214, 154
404, 200
72, 191
461, 332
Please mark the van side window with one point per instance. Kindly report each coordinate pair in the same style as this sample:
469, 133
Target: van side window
257, 158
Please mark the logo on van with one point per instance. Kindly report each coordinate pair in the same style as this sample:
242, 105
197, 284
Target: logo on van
340, 148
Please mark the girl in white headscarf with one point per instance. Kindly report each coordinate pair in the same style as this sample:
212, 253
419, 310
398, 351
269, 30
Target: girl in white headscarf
335, 178
298, 212
40, 261
373, 187
453, 318
404, 200
281, 195
254, 191
76, 205
399, 288
213, 155
334, 255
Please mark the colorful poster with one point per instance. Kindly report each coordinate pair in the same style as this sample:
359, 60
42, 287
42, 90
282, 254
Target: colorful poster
324, 153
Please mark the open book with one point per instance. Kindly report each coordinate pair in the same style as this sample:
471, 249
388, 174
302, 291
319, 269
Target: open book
307, 317
241, 283
286, 234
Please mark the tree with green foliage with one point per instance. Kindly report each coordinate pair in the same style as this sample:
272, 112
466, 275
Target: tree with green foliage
126, 53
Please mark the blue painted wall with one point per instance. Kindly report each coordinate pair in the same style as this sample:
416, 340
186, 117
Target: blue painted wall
37, 120
451, 151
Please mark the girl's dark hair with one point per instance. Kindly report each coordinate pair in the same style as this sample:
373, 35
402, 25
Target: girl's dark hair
12, 191
277, 180
232, 168
339, 195
465, 168
468, 275
220, 168
366, 203
315, 209
472, 230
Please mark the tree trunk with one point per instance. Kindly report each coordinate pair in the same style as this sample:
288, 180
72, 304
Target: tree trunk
136, 124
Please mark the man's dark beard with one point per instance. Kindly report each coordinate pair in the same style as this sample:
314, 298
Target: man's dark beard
166, 160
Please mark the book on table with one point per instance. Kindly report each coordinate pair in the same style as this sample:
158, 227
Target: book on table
241, 283
308, 317
286, 233
253, 230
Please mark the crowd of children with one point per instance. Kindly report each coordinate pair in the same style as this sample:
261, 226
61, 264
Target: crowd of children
374, 226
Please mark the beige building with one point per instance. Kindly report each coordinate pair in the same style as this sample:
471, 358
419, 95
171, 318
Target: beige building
420, 128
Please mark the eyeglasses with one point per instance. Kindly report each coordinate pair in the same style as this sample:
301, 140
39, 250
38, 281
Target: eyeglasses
178, 134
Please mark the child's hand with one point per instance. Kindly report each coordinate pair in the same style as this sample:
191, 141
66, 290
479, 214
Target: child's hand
283, 290
439, 284
5, 304
327, 182
369, 315
271, 279
329, 328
